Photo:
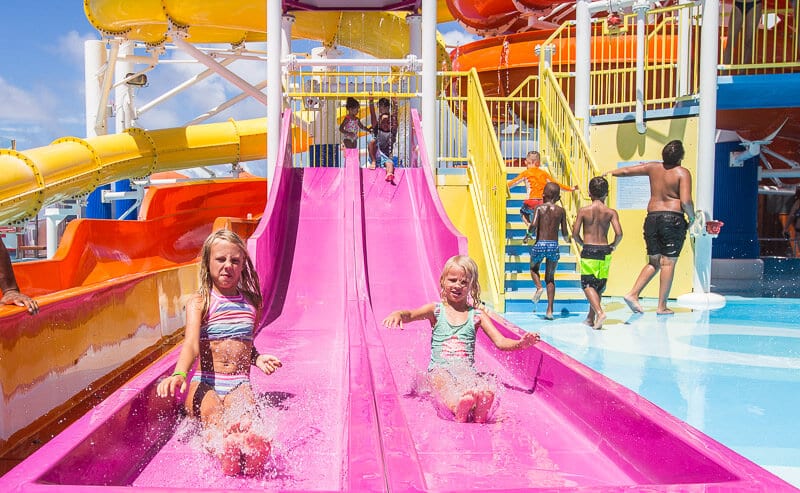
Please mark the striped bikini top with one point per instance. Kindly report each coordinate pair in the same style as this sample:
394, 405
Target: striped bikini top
228, 317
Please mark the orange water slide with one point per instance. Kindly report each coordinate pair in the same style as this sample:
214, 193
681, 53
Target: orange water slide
111, 298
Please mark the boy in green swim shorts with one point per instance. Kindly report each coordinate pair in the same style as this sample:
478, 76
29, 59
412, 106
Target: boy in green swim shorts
595, 219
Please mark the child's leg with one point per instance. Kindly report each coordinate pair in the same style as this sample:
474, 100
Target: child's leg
589, 320
536, 281
594, 302
446, 390
243, 444
483, 403
372, 148
550, 281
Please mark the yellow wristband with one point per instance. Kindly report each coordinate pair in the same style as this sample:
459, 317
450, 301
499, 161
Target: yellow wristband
181, 373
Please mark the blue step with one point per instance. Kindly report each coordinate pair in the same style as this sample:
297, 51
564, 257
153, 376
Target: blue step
519, 287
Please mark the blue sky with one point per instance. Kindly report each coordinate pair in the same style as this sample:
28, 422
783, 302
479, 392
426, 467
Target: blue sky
41, 71
42, 77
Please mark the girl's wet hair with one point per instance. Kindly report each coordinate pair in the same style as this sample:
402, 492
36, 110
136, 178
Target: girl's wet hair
470, 268
248, 284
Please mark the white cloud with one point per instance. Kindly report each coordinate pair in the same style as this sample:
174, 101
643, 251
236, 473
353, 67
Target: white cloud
71, 46
458, 38
20, 105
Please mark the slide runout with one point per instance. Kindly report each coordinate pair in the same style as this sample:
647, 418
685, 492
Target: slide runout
321, 400
556, 424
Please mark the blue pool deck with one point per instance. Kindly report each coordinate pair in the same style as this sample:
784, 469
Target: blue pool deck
733, 373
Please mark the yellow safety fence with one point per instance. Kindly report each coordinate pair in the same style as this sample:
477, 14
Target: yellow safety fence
318, 100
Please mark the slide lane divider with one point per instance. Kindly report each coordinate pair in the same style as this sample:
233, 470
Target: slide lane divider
402, 470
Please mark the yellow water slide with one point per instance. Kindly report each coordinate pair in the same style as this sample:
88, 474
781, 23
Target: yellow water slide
72, 166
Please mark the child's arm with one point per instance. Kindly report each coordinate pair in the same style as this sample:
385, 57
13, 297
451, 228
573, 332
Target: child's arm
576, 228
516, 179
264, 362
344, 120
564, 227
617, 227
504, 343
399, 317
373, 117
560, 185
189, 350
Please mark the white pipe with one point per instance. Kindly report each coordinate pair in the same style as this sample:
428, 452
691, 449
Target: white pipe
684, 48
778, 173
641, 9
408, 62
709, 39
94, 55
414, 22
274, 29
122, 106
101, 124
179, 88
583, 66
141, 60
223, 106
223, 72
429, 67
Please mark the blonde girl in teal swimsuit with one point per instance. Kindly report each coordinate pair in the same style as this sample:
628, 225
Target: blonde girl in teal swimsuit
455, 320
220, 319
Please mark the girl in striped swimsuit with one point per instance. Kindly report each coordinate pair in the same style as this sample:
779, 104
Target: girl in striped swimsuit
220, 319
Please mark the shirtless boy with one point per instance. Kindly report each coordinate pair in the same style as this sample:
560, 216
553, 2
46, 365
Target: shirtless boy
665, 226
595, 219
547, 218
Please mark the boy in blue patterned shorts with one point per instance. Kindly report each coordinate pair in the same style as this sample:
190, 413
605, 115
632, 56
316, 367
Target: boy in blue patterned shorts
596, 219
547, 218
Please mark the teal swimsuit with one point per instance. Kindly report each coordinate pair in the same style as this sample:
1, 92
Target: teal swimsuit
453, 344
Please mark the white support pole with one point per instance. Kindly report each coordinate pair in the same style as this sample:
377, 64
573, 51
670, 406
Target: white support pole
101, 124
274, 20
95, 57
709, 37
641, 9
429, 67
583, 66
684, 48
414, 22
123, 116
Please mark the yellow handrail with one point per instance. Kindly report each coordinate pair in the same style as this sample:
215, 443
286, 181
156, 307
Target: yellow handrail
487, 178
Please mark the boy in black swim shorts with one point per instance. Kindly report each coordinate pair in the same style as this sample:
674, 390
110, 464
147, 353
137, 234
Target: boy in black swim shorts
665, 227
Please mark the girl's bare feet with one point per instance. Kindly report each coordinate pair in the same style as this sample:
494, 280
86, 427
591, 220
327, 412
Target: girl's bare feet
464, 407
483, 404
255, 454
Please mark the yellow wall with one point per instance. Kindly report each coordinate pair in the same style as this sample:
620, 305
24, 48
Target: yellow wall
616, 143
454, 194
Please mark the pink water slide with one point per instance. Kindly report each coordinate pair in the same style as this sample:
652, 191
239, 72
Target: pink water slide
338, 249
